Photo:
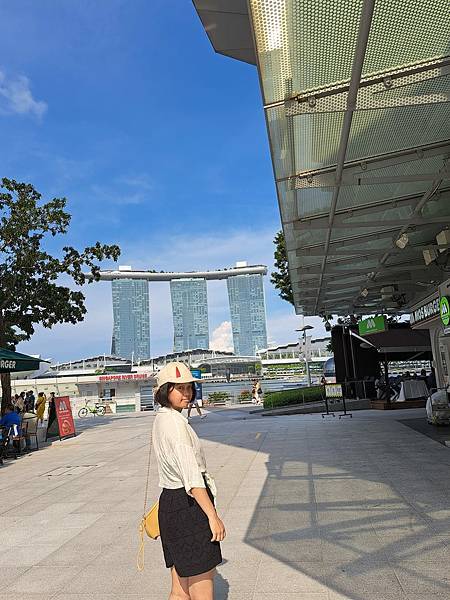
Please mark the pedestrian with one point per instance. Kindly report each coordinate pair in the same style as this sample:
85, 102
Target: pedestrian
254, 392
15, 403
431, 379
29, 401
40, 406
258, 392
190, 528
194, 404
19, 402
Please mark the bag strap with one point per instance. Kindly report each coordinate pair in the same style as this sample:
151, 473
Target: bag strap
148, 476
141, 551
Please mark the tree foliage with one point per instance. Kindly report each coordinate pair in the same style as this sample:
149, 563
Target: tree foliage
280, 278
32, 289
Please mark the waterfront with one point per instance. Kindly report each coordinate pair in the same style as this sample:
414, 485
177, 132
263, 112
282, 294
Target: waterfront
234, 388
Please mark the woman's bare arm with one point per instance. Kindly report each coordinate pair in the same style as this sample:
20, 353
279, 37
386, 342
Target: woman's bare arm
216, 525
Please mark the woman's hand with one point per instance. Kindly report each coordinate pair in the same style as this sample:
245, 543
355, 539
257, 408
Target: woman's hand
217, 528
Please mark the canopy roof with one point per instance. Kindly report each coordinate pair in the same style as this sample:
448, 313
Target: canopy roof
399, 343
356, 102
11, 362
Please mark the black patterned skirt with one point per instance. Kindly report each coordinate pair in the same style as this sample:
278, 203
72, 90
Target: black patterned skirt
185, 534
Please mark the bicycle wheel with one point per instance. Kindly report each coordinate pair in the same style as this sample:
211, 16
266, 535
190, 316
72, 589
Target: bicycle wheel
101, 410
83, 412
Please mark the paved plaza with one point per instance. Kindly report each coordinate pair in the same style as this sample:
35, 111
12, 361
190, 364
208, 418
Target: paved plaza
356, 509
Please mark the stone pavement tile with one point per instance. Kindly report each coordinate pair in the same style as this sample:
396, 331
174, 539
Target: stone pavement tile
44, 580
275, 577
10, 574
294, 596
351, 517
370, 595
16, 596
293, 551
418, 577
55, 535
73, 554
25, 556
429, 596
78, 521
351, 549
94, 580
242, 553
414, 547
237, 576
363, 577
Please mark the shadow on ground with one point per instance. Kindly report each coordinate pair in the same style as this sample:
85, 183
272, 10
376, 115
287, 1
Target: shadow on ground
357, 509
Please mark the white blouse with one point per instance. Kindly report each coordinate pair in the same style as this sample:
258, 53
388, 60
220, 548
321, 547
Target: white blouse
181, 461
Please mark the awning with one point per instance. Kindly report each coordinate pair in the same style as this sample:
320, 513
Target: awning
356, 99
399, 343
11, 362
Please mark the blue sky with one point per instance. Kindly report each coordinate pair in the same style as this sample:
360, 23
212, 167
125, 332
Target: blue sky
158, 143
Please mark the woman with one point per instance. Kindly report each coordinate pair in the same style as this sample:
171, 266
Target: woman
191, 530
40, 406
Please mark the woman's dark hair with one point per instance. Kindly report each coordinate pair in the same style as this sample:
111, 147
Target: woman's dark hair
162, 395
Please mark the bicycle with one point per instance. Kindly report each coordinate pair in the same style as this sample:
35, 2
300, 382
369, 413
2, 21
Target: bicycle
99, 409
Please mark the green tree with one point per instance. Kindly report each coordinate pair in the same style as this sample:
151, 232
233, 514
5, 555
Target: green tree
31, 279
280, 278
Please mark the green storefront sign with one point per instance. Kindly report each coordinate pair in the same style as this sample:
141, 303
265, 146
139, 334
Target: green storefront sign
372, 325
444, 310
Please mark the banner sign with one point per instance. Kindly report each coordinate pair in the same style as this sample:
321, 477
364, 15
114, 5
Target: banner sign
128, 377
426, 311
198, 386
60, 419
372, 325
444, 310
8, 364
333, 390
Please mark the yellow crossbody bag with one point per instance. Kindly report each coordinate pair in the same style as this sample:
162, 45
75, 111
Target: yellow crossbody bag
149, 523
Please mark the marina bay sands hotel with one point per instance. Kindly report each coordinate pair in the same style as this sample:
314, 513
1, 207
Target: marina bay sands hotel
131, 308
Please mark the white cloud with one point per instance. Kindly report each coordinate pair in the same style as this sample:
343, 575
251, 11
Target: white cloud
16, 97
222, 337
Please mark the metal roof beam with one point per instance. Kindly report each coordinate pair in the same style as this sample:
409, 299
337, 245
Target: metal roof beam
362, 166
355, 271
327, 181
373, 90
387, 223
365, 22
372, 208
340, 250
349, 271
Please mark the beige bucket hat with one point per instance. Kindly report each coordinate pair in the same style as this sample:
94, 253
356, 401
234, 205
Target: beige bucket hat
174, 372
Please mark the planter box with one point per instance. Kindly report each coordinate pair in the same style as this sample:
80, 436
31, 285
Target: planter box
382, 405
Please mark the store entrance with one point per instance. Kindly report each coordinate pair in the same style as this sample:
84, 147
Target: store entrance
444, 358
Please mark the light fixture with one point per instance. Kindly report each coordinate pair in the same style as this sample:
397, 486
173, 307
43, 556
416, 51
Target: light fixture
429, 255
387, 291
402, 241
364, 292
443, 239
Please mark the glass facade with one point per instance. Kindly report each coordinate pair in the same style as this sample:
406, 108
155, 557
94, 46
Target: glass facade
190, 314
248, 313
131, 314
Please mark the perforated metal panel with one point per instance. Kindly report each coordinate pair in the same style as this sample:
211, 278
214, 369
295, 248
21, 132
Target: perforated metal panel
397, 154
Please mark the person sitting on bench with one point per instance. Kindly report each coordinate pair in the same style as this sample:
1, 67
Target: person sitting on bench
11, 418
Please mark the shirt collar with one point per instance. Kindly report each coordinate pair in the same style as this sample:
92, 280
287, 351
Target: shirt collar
172, 411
